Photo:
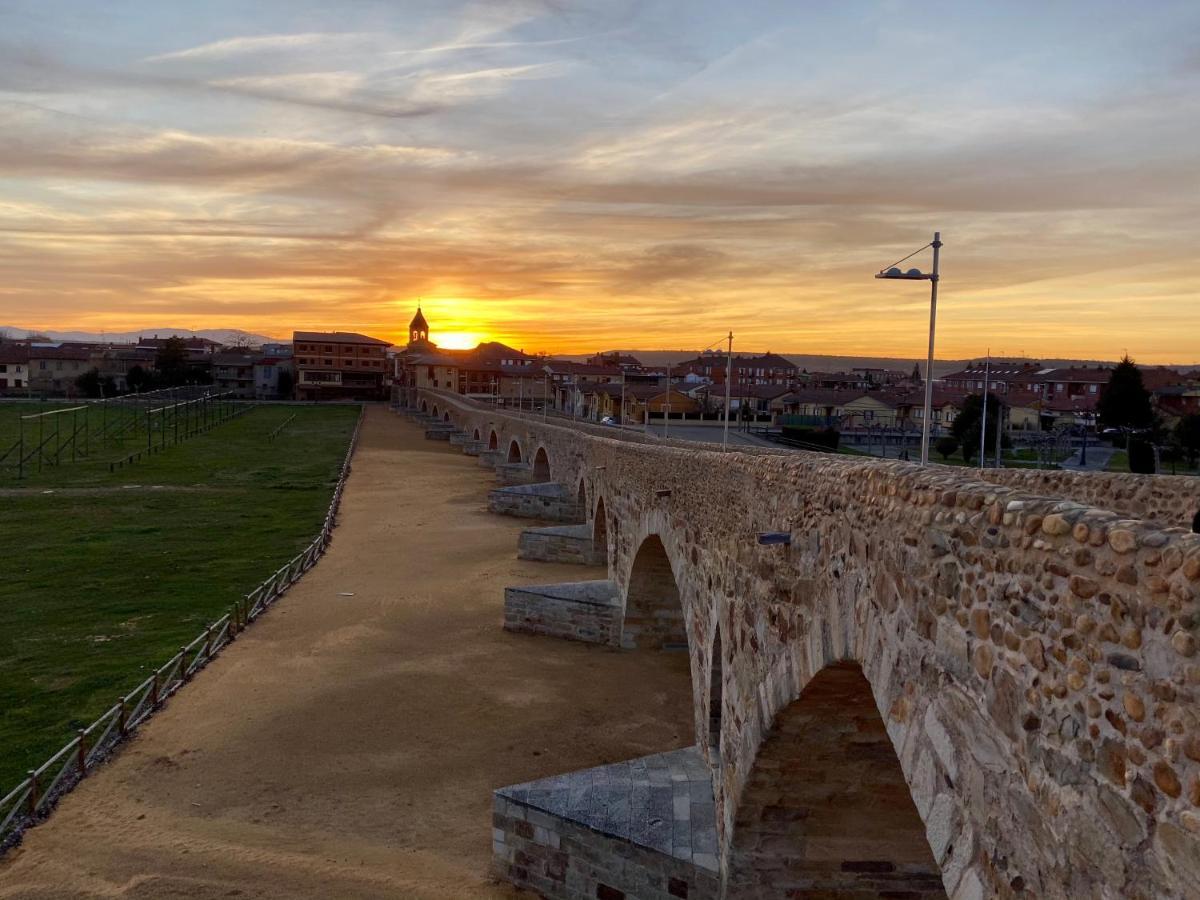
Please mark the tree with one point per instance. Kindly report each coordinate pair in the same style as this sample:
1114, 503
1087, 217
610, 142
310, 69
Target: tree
171, 361
1187, 433
92, 384
285, 384
138, 379
1125, 403
945, 446
967, 424
1141, 457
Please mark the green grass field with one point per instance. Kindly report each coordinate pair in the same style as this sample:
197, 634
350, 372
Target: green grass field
105, 577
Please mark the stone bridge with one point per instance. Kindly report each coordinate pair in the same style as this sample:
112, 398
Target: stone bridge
906, 682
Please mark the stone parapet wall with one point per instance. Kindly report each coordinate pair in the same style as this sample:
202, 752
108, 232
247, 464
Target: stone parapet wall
1167, 499
588, 611
1034, 658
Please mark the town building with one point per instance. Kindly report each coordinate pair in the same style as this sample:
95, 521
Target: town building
55, 367
14, 368
274, 377
339, 365
766, 368
233, 373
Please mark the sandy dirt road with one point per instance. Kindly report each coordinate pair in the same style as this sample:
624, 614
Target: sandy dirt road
346, 747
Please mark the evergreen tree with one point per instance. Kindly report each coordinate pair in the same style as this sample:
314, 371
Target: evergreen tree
1187, 433
968, 422
1125, 403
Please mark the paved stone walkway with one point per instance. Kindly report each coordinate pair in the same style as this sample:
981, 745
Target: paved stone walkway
348, 746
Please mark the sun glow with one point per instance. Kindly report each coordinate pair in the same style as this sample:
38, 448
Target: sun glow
457, 340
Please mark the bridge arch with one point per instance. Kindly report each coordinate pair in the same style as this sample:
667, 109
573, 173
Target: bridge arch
600, 527
582, 498
424, 406
436, 412
826, 804
514, 451
541, 465
716, 697
654, 616
494, 441
475, 436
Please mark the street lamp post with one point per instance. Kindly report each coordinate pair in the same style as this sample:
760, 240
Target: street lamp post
894, 272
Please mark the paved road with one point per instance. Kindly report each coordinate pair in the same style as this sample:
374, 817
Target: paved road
347, 746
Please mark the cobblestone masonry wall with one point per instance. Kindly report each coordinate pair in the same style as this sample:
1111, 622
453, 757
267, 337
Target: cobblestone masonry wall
1034, 659
1169, 499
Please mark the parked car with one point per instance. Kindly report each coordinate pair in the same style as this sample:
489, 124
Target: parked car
608, 420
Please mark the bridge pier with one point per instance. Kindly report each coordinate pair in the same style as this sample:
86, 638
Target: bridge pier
514, 473
473, 448
588, 611
489, 459
549, 501
562, 544
644, 829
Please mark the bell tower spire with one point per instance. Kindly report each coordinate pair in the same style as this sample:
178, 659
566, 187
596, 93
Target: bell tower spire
418, 328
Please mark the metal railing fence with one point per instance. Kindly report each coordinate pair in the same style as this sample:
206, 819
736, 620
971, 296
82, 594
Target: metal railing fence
36, 795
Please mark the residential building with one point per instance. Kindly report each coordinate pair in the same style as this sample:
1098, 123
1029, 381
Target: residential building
766, 368
274, 377
54, 367
14, 368
233, 372
339, 365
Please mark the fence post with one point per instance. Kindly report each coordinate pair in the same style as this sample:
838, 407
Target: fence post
182, 663
208, 642
154, 689
82, 753
33, 791
123, 718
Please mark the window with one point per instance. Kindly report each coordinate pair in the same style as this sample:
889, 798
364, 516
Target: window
1091, 388
328, 348
329, 362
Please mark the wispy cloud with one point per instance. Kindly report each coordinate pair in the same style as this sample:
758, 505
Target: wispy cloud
570, 175
260, 44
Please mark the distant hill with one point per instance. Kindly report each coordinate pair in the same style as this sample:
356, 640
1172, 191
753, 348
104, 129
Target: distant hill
816, 363
231, 336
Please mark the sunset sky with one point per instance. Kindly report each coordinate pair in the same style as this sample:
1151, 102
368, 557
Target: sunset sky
575, 176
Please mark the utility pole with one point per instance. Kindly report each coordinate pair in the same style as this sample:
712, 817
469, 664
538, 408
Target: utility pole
728, 385
622, 415
983, 422
667, 420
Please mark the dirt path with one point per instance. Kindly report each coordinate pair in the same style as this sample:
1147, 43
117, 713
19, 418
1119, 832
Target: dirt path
346, 747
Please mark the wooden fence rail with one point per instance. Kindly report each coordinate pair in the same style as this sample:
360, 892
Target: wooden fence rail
34, 798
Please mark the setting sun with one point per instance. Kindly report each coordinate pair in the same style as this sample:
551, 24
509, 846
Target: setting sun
459, 340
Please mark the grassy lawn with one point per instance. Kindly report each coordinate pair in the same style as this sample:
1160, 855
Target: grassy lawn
110, 580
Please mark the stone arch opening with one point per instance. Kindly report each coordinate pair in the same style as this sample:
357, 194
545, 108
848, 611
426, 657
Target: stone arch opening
653, 609
475, 436
494, 441
435, 411
600, 528
716, 698
446, 416
541, 465
581, 499
514, 451
424, 407
826, 808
